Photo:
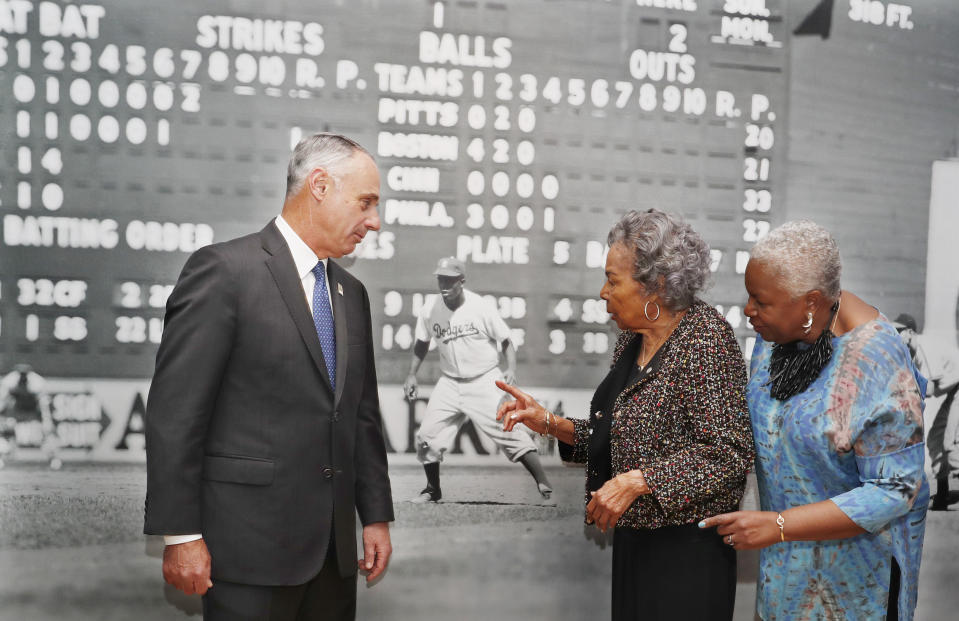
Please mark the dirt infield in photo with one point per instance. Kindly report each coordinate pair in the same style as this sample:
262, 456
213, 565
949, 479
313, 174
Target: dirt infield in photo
71, 549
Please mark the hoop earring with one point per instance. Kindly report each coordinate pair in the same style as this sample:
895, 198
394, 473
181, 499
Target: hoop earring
807, 327
646, 311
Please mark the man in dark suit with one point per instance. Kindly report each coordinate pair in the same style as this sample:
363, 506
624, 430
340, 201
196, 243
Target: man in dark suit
263, 429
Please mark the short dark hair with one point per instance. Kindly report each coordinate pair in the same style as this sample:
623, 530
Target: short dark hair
906, 321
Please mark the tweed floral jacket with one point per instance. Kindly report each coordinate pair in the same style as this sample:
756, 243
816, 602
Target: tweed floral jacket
684, 424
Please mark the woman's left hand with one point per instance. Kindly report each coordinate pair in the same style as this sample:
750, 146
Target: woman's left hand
745, 530
615, 496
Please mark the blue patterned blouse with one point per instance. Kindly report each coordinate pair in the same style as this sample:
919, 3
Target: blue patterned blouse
855, 437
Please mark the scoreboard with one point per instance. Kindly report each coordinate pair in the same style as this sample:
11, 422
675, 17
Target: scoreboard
509, 134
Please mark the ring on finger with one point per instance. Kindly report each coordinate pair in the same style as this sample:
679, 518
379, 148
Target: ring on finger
729, 539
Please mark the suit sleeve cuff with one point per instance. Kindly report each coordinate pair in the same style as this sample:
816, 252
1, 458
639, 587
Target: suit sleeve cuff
172, 540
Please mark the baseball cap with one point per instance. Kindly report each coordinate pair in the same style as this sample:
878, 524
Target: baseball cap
450, 266
905, 320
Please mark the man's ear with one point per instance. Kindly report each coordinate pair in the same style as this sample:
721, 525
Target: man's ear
319, 183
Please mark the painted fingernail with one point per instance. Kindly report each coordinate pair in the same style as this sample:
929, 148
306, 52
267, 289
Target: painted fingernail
702, 524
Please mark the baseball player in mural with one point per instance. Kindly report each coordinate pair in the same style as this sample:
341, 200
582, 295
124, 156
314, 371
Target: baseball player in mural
25, 418
470, 335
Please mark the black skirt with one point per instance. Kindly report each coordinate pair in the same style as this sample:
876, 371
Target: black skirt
672, 573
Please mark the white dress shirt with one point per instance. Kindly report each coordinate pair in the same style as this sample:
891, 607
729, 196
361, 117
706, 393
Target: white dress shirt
305, 260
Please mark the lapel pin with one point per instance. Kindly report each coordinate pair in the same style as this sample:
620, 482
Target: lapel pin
339, 288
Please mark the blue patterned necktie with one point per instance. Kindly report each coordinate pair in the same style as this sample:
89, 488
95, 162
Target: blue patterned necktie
323, 320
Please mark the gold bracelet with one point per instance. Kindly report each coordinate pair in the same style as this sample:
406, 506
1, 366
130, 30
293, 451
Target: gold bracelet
781, 521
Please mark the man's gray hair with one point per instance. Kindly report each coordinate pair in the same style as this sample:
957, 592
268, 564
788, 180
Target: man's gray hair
803, 256
671, 259
321, 150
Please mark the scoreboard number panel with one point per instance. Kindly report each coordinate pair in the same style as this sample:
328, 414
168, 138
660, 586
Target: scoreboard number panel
511, 135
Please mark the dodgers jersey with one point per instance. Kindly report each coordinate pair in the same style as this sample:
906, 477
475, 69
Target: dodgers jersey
468, 338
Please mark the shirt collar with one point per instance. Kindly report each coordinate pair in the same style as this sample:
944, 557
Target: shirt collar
303, 257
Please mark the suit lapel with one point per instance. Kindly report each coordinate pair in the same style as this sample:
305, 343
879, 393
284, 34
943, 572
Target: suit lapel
340, 318
281, 266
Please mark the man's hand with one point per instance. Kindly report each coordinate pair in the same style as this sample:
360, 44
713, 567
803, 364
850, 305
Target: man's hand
410, 389
376, 549
187, 567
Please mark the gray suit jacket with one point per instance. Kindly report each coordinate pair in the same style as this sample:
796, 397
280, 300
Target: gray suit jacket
246, 441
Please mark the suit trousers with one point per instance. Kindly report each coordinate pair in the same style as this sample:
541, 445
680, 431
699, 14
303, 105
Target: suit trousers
327, 597
673, 573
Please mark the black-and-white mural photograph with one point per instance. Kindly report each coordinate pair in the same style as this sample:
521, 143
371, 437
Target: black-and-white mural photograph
479, 309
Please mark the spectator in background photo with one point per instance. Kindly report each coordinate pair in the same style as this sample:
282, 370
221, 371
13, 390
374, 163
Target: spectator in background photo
941, 437
25, 416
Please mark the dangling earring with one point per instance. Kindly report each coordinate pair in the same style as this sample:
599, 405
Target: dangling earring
807, 327
792, 370
646, 311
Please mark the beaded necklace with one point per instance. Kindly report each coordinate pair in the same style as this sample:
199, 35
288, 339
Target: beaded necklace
792, 369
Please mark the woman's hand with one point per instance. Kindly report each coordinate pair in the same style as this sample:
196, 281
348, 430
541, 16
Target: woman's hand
751, 530
523, 409
745, 530
615, 496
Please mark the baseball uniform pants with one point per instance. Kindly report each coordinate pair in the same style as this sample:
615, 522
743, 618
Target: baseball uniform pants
452, 403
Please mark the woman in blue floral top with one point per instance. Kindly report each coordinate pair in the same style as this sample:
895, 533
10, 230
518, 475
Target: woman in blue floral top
836, 408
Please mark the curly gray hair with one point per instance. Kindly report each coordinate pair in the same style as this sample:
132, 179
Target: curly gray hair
671, 259
804, 256
321, 150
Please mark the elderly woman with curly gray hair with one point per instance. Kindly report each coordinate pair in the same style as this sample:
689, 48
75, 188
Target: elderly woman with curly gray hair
667, 442
836, 407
